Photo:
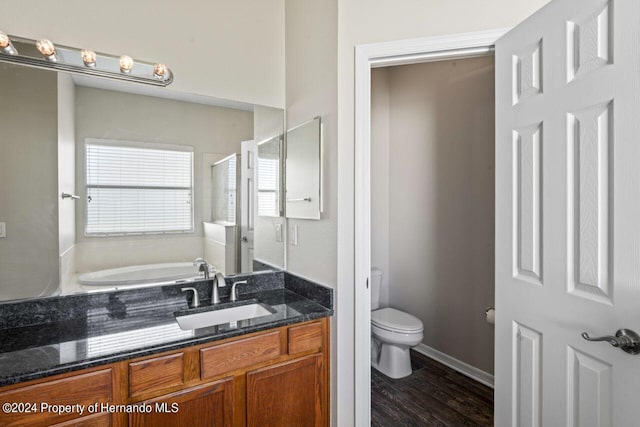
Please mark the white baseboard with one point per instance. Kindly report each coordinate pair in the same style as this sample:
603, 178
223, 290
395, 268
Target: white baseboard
464, 368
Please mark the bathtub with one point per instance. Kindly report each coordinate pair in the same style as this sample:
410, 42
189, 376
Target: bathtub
140, 274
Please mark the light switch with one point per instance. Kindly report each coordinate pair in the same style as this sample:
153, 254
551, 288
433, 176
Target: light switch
278, 232
294, 235
3, 229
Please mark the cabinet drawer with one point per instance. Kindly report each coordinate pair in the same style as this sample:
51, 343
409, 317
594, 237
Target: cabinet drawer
156, 374
84, 389
95, 420
304, 338
225, 358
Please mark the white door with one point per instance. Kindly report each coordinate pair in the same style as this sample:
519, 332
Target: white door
568, 215
247, 203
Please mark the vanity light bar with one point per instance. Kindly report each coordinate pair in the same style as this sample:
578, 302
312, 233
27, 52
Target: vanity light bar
5, 44
44, 54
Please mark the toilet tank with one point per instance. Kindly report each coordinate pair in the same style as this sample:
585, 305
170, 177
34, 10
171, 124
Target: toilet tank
376, 285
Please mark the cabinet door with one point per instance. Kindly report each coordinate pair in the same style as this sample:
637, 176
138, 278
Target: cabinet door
95, 420
288, 394
206, 405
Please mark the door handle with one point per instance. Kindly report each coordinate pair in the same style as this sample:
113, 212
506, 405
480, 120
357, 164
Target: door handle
625, 339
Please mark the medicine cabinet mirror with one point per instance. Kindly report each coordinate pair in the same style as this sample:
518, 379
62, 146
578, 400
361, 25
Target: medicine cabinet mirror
303, 171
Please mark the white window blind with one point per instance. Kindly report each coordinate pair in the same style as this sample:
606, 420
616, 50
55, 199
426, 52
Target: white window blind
137, 338
231, 194
268, 185
134, 188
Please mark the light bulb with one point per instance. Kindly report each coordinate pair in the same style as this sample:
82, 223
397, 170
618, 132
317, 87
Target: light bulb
88, 57
5, 41
159, 71
47, 49
5, 44
126, 64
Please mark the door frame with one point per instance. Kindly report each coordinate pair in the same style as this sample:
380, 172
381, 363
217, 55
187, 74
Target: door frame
368, 56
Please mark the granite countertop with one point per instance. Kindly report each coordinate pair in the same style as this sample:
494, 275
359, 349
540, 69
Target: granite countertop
111, 327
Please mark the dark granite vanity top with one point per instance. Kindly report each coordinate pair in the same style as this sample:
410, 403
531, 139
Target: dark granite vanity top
49, 336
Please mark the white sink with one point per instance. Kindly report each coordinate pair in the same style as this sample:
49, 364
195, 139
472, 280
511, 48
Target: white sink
220, 317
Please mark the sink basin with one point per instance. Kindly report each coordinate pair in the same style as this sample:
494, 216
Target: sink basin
222, 316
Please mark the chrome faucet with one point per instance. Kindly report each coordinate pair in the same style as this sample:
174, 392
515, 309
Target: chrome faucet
218, 280
195, 301
234, 293
204, 266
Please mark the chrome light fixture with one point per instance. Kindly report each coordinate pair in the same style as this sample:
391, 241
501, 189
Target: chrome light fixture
5, 44
126, 64
88, 57
47, 49
159, 71
45, 54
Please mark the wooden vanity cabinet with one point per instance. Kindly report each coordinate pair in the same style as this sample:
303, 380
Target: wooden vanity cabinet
200, 406
277, 377
287, 394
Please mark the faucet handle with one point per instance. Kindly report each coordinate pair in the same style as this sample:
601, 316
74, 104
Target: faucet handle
219, 278
234, 292
195, 303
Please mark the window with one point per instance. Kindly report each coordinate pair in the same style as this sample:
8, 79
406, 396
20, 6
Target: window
135, 188
269, 177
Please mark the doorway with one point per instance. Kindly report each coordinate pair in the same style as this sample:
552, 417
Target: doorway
432, 236
368, 57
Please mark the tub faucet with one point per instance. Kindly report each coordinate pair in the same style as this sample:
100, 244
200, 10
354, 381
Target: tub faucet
218, 280
204, 266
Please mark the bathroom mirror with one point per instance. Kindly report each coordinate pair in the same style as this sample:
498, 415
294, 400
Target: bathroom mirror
269, 177
224, 190
97, 176
304, 171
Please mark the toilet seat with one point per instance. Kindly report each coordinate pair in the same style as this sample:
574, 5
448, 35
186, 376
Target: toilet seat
394, 320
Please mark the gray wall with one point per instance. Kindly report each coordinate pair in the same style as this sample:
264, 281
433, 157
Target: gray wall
268, 122
311, 42
311, 67
116, 115
438, 160
380, 146
28, 182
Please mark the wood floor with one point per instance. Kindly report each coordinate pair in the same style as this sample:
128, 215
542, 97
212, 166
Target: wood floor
433, 395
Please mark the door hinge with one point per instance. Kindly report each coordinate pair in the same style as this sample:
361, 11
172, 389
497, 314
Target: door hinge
367, 283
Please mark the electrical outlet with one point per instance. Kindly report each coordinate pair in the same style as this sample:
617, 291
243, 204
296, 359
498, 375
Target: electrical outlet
278, 232
294, 235
3, 229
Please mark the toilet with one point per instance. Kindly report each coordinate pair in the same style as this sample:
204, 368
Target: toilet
393, 333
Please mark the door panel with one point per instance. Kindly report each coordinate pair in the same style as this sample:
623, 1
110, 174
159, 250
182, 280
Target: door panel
527, 219
567, 209
287, 395
207, 405
589, 142
248, 205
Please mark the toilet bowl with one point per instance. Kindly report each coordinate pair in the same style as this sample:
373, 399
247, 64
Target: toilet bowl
393, 334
